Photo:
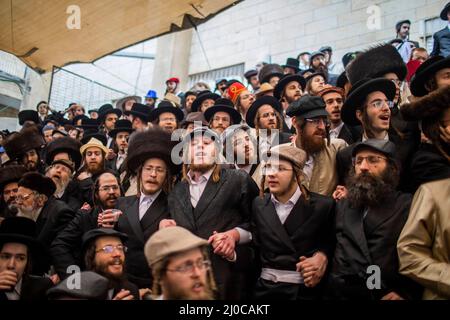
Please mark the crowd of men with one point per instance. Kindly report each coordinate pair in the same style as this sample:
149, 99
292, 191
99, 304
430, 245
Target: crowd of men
306, 182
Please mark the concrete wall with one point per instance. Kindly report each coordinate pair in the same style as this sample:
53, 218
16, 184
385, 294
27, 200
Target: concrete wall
256, 29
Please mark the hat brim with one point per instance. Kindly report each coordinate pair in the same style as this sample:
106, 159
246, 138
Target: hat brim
420, 79
270, 76
142, 116
297, 69
234, 114
357, 97
102, 117
253, 110
444, 12
121, 101
113, 133
314, 114
199, 100
154, 115
285, 81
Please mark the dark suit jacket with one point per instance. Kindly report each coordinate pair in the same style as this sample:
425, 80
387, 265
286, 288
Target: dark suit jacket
33, 289
66, 248
441, 46
361, 243
223, 206
308, 229
349, 134
54, 217
71, 196
138, 233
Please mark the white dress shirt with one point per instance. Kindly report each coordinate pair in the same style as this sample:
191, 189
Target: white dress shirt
120, 159
196, 188
246, 168
284, 209
334, 133
145, 201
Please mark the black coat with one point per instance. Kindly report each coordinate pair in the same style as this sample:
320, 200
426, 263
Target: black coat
361, 243
138, 233
223, 206
54, 217
441, 46
33, 289
66, 248
350, 134
71, 196
308, 229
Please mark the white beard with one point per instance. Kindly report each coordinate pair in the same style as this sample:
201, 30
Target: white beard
30, 213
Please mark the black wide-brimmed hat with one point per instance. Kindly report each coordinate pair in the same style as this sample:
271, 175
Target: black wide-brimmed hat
39, 183
292, 63
253, 110
88, 135
166, 106
93, 234
445, 11
223, 105
285, 81
140, 111
24, 230
88, 124
64, 144
359, 93
28, 115
153, 143
107, 109
202, 96
9, 174
122, 125
425, 71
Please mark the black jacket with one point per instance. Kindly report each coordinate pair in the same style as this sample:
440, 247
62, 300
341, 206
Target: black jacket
138, 233
71, 196
350, 134
441, 46
223, 206
309, 228
66, 248
54, 217
370, 241
33, 289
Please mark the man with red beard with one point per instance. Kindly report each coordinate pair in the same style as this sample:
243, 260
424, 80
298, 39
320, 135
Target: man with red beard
94, 155
105, 254
66, 248
368, 224
215, 204
180, 265
310, 120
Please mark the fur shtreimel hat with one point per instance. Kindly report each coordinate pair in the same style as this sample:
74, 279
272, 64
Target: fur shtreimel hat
19, 143
429, 107
153, 143
375, 63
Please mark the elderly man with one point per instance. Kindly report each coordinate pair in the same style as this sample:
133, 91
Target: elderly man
180, 265
104, 253
368, 224
35, 201
19, 252
293, 229
204, 204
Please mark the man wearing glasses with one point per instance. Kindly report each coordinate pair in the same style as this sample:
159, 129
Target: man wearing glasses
293, 229
180, 265
368, 224
105, 254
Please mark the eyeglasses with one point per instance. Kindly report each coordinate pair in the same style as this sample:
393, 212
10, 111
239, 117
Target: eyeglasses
378, 104
371, 160
272, 169
158, 170
318, 121
21, 198
111, 248
107, 188
189, 266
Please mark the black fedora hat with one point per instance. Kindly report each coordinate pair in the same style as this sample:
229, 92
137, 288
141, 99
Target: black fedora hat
88, 124
9, 174
107, 109
79, 117
292, 63
28, 115
91, 235
202, 96
445, 11
38, 182
89, 134
24, 230
425, 72
223, 105
163, 107
285, 81
122, 125
359, 93
253, 110
64, 144
141, 111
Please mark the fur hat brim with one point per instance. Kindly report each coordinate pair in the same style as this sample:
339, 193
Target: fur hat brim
429, 107
19, 143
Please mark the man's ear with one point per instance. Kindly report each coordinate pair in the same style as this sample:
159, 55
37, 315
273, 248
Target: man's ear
359, 115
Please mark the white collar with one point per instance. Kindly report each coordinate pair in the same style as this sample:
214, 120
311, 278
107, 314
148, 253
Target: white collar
292, 200
205, 176
151, 197
364, 137
338, 128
